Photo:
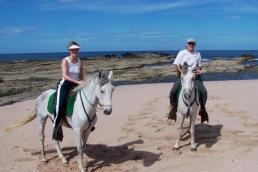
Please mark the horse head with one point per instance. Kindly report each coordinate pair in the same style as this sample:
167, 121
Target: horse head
104, 90
188, 79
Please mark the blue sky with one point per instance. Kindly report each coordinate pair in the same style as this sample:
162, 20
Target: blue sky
107, 25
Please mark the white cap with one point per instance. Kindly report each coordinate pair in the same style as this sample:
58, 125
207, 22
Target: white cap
190, 40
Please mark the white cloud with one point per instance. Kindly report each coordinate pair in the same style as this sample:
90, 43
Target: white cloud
234, 17
67, 1
115, 6
12, 30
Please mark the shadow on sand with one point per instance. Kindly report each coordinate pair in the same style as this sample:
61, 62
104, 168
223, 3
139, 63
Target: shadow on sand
104, 155
207, 135
204, 134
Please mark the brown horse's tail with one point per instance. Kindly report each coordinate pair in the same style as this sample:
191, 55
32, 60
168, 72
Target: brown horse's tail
20, 123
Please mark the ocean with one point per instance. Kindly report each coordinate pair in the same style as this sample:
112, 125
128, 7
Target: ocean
206, 54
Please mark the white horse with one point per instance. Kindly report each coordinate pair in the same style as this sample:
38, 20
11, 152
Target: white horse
95, 91
188, 103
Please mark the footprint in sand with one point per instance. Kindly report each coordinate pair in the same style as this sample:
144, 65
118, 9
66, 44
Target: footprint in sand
142, 118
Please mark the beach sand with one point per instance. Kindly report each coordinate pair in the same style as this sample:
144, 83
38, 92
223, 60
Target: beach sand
137, 137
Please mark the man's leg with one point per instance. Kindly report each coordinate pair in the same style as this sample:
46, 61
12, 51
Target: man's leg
173, 99
203, 98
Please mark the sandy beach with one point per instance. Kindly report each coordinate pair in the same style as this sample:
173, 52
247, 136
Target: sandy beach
137, 137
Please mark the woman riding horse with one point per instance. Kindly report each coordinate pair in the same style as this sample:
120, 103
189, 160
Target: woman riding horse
72, 75
191, 57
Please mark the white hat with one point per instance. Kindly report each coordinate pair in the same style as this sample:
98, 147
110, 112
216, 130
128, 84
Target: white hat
73, 45
190, 40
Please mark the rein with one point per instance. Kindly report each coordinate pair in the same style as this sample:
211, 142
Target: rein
84, 109
87, 115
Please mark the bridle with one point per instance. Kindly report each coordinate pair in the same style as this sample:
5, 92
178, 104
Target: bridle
94, 106
91, 104
195, 100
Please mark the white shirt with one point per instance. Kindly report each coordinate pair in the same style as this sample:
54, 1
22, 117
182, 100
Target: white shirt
73, 68
183, 56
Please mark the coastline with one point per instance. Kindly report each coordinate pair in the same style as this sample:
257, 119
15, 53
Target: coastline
22, 80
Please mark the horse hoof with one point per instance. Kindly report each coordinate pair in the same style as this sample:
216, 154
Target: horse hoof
44, 161
64, 161
193, 149
175, 148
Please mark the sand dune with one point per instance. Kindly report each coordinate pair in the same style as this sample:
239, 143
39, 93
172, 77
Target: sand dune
137, 137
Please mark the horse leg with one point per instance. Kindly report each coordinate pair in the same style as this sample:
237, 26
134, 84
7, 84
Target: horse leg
79, 142
180, 127
42, 123
59, 151
85, 137
192, 123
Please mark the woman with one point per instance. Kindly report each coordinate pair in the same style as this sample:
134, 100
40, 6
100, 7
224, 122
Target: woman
72, 75
191, 57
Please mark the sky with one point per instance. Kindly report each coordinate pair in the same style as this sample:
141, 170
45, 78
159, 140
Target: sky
113, 25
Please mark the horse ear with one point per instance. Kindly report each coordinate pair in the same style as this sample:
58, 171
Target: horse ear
100, 74
185, 68
110, 75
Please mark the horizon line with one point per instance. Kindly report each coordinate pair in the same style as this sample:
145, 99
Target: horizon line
127, 51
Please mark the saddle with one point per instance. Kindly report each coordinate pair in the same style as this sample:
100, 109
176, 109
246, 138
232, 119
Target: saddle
51, 107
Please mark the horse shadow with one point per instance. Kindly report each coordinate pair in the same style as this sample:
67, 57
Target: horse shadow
103, 155
204, 134
207, 135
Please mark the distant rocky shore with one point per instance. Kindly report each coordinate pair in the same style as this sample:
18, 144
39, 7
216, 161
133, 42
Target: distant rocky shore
27, 79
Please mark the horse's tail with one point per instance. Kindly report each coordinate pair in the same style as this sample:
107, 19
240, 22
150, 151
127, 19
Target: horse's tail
20, 123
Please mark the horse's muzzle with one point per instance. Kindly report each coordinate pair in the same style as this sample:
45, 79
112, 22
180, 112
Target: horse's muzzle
187, 94
108, 111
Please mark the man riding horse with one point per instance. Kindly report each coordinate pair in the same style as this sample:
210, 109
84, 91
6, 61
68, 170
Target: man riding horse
191, 57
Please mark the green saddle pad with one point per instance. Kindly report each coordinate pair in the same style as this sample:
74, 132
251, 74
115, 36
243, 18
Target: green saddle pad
69, 106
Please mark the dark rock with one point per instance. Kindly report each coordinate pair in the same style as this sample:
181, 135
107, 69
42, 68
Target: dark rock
247, 57
130, 55
109, 56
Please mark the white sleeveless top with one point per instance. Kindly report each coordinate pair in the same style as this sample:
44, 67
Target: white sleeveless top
74, 68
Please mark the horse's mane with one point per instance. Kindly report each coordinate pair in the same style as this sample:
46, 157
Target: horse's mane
101, 77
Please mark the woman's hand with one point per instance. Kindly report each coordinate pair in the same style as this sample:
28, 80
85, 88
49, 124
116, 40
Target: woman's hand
79, 82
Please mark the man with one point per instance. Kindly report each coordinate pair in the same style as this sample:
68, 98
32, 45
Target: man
191, 57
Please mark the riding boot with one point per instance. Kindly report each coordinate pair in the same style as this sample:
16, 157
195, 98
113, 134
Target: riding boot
57, 133
172, 112
204, 114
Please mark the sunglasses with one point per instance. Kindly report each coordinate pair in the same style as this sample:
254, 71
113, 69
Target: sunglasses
191, 43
